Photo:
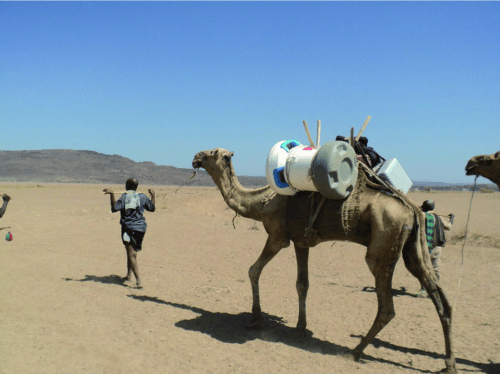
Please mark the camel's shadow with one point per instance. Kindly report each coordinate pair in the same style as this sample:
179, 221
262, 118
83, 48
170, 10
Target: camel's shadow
231, 328
395, 292
107, 279
489, 368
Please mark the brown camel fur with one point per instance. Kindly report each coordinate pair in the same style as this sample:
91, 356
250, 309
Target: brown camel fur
6, 199
387, 225
487, 166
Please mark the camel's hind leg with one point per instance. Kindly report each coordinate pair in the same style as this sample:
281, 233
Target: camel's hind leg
302, 256
416, 264
273, 246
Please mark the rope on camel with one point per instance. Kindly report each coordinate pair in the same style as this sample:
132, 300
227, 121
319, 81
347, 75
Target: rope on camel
463, 245
168, 193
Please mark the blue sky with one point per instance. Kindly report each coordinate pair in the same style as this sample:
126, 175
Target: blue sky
160, 81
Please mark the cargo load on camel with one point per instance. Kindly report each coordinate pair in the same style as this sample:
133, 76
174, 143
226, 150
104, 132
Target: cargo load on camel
331, 169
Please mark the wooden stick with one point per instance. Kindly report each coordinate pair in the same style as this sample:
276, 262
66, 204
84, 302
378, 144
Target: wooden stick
318, 133
363, 128
308, 134
351, 140
122, 192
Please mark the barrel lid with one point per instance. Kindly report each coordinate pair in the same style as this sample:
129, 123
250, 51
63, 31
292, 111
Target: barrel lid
335, 170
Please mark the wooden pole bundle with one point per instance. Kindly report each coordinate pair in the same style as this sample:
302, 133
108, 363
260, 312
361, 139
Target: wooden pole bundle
308, 134
363, 128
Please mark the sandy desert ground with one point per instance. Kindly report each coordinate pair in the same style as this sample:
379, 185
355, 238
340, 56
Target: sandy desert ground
64, 308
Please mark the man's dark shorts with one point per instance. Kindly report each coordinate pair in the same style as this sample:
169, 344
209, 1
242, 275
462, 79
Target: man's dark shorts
136, 238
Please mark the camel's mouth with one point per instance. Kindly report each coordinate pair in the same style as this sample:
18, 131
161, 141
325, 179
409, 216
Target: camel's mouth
470, 169
198, 160
196, 164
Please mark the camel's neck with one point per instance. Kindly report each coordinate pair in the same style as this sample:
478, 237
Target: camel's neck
493, 175
246, 202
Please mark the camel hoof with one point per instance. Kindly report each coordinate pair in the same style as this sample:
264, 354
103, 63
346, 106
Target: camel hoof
303, 332
255, 323
351, 356
449, 370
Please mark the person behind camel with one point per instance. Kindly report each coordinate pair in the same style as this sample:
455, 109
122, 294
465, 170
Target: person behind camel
370, 158
436, 239
6, 199
131, 206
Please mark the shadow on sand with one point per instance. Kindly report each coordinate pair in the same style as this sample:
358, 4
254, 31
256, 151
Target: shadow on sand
489, 368
231, 328
397, 293
107, 279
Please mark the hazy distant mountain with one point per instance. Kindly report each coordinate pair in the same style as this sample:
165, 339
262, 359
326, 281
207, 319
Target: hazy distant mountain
69, 166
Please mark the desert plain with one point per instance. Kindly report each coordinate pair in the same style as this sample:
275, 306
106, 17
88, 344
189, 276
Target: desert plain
65, 309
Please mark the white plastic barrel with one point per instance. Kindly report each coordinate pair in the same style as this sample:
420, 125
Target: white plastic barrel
275, 167
298, 168
332, 169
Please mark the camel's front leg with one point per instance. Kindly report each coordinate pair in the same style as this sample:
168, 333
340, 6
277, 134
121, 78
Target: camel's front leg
273, 246
302, 256
383, 272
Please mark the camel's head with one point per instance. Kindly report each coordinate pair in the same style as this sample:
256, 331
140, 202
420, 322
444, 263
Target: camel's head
487, 166
210, 160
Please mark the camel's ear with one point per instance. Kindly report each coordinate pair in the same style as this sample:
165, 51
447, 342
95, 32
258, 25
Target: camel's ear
231, 154
216, 152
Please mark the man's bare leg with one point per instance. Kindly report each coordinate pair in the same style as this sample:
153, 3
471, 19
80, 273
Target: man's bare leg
132, 257
128, 278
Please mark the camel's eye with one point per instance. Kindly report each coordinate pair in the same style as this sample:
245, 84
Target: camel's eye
216, 152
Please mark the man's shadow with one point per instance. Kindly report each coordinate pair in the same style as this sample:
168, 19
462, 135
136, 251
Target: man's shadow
107, 279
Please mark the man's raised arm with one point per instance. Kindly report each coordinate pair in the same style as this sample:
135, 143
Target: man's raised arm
111, 194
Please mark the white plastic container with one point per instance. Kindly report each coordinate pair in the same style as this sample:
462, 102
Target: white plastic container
335, 170
298, 168
276, 164
392, 172
332, 169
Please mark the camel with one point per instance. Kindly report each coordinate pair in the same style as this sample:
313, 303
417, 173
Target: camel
386, 224
6, 199
487, 166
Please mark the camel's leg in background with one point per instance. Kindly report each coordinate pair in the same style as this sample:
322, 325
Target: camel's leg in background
273, 246
302, 256
425, 274
381, 257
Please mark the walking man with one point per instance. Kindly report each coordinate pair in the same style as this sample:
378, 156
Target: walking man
436, 239
131, 206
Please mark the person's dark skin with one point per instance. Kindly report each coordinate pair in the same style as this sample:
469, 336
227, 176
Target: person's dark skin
132, 265
6, 199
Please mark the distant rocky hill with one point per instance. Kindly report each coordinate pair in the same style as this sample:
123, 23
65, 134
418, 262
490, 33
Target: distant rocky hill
69, 166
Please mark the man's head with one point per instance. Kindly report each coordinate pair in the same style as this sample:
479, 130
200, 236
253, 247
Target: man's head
131, 184
428, 205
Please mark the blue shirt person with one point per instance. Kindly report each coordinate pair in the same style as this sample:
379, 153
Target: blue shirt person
131, 206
